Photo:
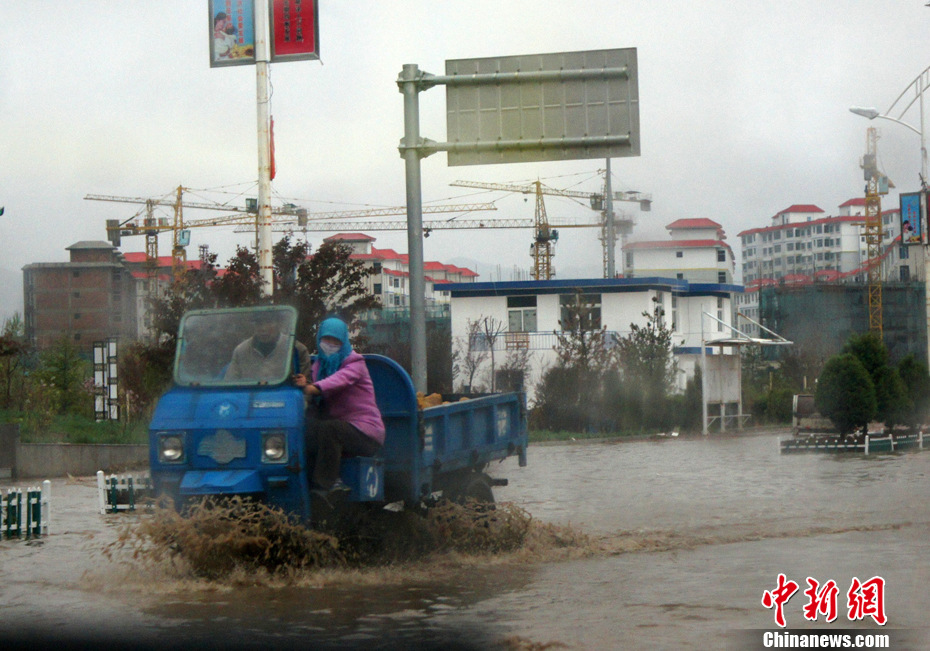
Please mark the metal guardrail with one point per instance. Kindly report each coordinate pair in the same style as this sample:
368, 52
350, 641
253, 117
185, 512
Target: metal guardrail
739, 420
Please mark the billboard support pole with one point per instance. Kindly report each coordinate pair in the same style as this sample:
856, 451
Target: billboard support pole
263, 216
610, 230
409, 85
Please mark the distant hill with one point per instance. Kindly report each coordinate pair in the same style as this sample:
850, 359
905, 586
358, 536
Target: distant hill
11, 293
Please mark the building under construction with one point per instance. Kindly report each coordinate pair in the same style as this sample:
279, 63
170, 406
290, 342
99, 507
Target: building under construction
820, 317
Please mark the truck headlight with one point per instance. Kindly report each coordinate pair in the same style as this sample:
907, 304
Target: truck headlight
274, 447
171, 448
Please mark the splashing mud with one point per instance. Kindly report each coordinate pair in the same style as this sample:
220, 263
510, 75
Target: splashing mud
236, 542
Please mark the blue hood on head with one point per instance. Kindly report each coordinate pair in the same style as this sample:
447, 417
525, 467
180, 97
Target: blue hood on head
336, 328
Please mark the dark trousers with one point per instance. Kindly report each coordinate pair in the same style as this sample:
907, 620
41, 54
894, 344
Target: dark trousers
330, 440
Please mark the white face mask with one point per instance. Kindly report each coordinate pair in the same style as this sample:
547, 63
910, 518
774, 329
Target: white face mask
329, 349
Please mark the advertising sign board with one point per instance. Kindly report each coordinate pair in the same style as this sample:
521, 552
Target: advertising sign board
913, 217
232, 32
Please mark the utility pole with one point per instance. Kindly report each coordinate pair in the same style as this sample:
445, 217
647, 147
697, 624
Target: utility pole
263, 216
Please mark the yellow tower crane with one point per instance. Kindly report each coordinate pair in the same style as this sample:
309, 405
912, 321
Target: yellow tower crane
542, 248
876, 184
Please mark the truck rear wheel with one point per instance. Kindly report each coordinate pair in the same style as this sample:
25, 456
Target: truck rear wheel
475, 486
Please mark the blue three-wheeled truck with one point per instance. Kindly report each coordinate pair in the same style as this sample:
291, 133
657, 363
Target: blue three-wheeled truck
220, 434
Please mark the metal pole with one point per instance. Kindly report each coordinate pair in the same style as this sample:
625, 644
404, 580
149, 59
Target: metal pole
263, 216
720, 392
923, 186
408, 81
611, 264
703, 380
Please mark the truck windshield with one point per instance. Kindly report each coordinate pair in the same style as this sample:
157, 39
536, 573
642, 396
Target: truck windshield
244, 346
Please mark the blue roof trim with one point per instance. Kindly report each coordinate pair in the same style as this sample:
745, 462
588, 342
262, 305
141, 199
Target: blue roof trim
602, 285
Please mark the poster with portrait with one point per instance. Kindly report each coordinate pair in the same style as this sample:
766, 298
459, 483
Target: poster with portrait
295, 33
232, 32
913, 217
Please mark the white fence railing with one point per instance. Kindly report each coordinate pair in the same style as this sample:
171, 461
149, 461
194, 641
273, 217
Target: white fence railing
117, 493
24, 513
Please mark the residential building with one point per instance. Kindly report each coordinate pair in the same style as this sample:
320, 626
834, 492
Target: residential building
89, 298
391, 278
696, 251
136, 263
804, 245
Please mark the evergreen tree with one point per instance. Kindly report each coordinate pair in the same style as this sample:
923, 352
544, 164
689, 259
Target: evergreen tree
845, 393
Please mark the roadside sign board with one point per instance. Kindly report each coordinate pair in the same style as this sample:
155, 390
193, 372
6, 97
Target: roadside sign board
913, 217
582, 105
295, 32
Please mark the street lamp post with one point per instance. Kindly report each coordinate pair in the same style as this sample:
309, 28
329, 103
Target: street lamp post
914, 92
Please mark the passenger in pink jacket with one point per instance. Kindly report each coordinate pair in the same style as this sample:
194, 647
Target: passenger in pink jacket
349, 422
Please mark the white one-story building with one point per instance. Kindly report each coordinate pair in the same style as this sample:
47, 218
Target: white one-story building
526, 316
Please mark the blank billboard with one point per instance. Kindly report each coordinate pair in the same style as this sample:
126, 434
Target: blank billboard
579, 105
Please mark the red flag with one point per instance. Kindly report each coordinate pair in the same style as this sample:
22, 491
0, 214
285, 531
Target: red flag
271, 138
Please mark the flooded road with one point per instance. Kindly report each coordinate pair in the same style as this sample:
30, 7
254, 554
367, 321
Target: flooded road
688, 533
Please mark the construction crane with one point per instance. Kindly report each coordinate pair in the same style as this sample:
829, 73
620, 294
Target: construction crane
148, 225
876, 184
544, 235
243, 217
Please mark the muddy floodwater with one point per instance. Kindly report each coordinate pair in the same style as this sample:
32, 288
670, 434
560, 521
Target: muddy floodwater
688, 535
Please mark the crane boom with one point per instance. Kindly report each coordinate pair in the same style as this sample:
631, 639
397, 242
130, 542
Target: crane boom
432, 225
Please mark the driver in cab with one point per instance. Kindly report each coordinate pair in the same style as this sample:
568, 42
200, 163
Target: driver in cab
265, 354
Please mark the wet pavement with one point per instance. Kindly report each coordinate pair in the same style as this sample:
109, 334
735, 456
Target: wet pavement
689, 533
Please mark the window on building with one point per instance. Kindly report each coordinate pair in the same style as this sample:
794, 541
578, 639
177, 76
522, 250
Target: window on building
679, 254
583, 309
76, 274
904, 254
719, 314
521, 313
777, 235
721, 277
674, 312
905, 272
376, 267
721, 255
629, 259
376, 289
680, 276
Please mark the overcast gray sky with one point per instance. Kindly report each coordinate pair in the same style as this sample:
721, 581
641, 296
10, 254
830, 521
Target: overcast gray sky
743, 109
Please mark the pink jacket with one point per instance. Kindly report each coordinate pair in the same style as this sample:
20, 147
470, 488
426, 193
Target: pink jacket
350, 396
